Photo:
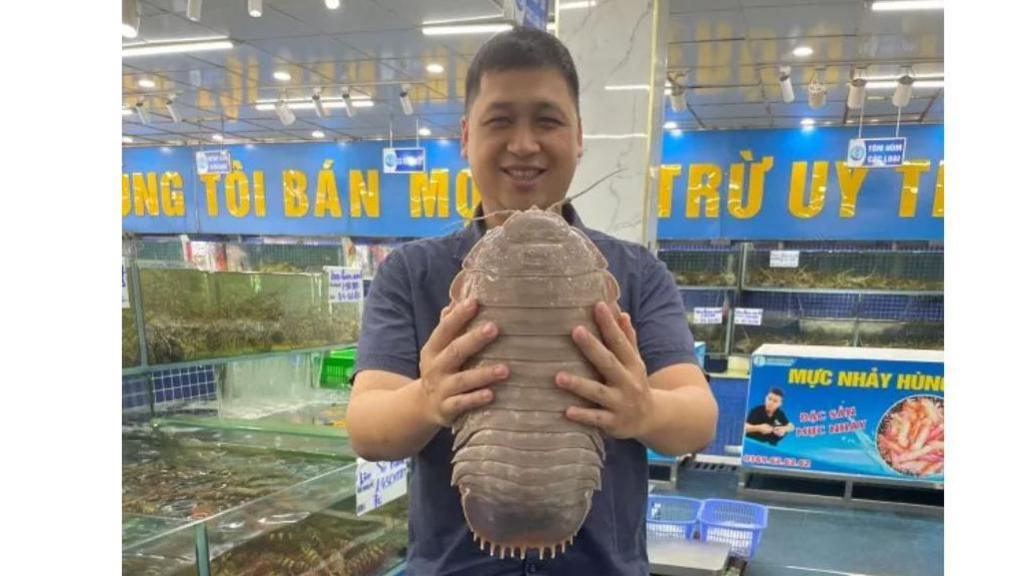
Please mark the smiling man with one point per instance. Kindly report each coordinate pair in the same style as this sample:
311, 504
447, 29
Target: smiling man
523, 136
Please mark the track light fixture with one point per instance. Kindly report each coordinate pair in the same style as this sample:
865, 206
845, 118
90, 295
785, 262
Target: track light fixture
130, 20
816, 92
140, 109
193, 9
255, 8
403, 97
284, 113
904, 89
349, 109
786, 84
858, 91
318, 105
172, 110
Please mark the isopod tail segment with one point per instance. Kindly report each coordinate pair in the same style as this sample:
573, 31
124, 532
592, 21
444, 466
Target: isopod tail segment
519, 552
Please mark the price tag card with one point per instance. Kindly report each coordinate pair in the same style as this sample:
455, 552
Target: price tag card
748, 316
378, 483
707, 315
344, 284
784, 259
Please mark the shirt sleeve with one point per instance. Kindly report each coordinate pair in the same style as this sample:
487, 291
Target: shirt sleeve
663, 335
752, 416
387, 337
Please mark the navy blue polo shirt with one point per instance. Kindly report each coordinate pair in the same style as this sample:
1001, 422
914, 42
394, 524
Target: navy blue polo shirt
402, 310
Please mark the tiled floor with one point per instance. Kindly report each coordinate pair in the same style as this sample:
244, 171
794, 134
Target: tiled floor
815, 540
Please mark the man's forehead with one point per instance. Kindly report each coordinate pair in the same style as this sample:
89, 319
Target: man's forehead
554, 92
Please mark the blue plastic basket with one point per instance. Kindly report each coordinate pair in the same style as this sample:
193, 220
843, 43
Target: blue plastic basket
738, 524
673, 516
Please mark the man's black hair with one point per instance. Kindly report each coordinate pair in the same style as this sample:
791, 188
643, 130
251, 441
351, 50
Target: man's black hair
520, 48
777, 392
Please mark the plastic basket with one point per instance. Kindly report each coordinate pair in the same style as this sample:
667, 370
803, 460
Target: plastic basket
672, 516
738, 524
338, 367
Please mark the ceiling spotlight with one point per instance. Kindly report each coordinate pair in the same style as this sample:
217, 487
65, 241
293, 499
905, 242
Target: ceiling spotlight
816, 94
282, 75
671, 125
193, 9
858, 91
127, 140
140, 109
284, 113
317, 134
786, 84
318, 105
172, 110
349, 109
332, 4
803, 51
130, 18
255, 8
435, 68
217, 138
403, 97
904, 89
146, 83
424, 131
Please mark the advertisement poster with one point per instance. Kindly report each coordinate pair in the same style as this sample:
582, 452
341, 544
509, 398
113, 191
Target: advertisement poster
810, 409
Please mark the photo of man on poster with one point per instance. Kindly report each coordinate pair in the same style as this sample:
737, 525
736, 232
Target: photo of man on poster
767, 422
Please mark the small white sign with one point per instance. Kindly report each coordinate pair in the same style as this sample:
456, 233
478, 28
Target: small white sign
707, 315
344, 284
785, 259
125, 303
748, 316
378, 483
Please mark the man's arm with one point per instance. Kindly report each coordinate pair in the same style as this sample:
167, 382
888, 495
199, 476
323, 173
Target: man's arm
385, 419
391, 416
685, 412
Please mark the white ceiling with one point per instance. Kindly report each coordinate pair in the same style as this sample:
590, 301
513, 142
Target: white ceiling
730, 50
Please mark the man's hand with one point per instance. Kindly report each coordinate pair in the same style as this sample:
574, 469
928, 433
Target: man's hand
625, 401
780, 431
448, 391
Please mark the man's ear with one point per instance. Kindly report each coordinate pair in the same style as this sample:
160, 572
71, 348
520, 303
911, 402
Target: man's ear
464, 138
579, 139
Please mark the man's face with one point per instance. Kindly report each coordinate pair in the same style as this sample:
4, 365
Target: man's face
522, 137
772, 402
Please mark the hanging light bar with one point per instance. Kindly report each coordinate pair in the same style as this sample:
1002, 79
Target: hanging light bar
255, 8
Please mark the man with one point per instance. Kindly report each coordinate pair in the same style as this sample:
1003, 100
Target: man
768, 423
522, 135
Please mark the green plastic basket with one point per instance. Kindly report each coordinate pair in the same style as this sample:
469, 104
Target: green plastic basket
338, 367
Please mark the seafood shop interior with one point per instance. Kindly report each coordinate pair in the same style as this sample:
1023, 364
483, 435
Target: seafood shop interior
761, 184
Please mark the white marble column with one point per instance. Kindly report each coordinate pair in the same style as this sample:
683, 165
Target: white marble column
619, 47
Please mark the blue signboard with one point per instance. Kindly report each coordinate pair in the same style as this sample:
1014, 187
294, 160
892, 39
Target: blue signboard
744, 184
404, 160
879, 417
876, 152
529, 13
213, 162
796, 184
